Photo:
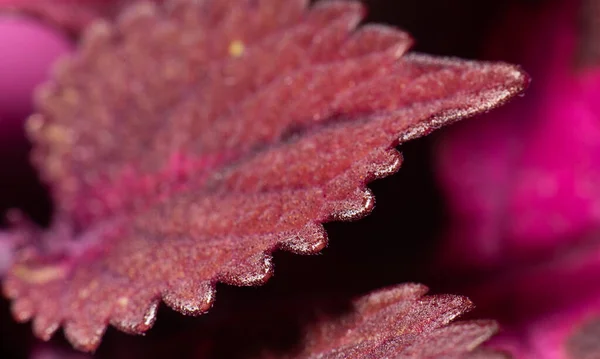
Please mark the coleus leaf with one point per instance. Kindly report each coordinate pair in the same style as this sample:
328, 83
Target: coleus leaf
395, 322
187, 141
398, 322
29, 46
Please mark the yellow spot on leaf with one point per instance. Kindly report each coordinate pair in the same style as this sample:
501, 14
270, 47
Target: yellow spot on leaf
39, 275
123, 301
236, 48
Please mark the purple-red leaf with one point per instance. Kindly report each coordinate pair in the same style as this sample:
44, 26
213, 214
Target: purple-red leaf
398, 322
188, 141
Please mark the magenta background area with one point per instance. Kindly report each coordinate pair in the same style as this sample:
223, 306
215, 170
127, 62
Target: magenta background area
28, 49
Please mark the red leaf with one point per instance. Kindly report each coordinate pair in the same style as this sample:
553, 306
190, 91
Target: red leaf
398, 322
187, 142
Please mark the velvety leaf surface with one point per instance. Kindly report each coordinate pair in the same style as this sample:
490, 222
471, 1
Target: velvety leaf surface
396, 322
34, 34
186, 142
